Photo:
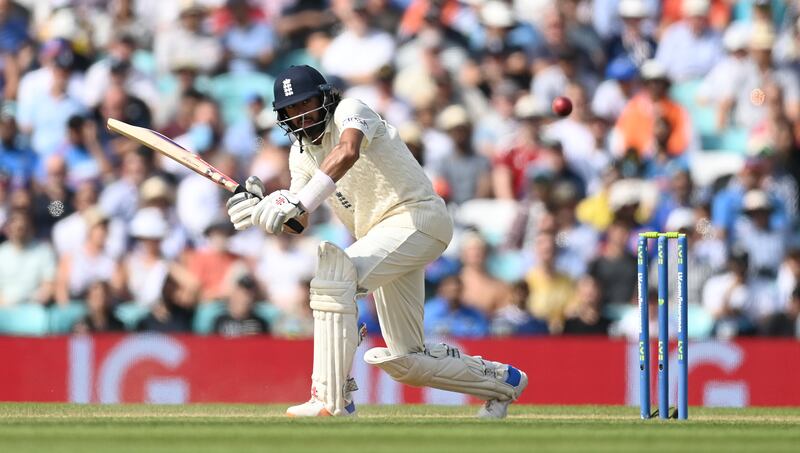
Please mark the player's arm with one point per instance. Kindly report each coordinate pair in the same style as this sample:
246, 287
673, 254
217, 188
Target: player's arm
341, 159
344, 155
359, 125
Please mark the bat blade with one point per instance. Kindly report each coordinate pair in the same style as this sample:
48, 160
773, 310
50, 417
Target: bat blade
167, 147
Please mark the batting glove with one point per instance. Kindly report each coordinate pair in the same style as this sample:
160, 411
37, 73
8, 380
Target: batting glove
275, 210
241, 205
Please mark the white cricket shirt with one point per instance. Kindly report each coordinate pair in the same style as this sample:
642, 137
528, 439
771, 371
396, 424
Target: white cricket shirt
386, 185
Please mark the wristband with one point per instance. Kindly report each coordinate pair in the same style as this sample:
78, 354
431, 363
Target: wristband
320, 187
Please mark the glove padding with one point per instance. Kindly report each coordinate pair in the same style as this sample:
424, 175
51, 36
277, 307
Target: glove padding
241, 205
275, 210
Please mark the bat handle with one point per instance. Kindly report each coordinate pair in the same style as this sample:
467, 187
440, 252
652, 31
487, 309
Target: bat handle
296, 226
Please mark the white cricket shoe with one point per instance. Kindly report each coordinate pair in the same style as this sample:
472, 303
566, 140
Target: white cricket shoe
316, 408
499, 409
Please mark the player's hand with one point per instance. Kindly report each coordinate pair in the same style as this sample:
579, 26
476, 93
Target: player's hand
275, 210
241, 206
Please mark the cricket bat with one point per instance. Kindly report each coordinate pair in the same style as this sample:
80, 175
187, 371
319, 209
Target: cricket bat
167, 147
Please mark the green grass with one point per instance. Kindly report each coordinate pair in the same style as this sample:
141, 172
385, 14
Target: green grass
57, 428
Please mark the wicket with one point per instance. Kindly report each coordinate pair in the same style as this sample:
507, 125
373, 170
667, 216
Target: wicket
663, 326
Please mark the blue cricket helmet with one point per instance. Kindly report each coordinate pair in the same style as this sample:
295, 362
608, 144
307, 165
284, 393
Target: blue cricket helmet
296, 84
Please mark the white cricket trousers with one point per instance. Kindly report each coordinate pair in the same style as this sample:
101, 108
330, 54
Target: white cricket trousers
390, 262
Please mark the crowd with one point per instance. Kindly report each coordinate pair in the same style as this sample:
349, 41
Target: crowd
686, 117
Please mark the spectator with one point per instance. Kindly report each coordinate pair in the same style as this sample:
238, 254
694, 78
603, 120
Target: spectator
214, 265
554, 163
555, 39
156, 192
436, 43
481, 290
101, 317
117, 68
194, 195
27, 267
249, 41
717, 88
614, 271
628, 326
786, 323
637, 123
382, 99
284, 264
552, 80
551, 291
55, 58
765, 246
597, 210
789, 276
680, 193
13, 27
240, 320
726, 296
301, 22
50, 111
297, 321
120, 198
467, 174
616, 91
241, 138
577, 242
782, 167
17, 161
177, 107
52, 198
509, 180
87, 264
633, 43
143, 273
121, 20
188, 42
119, 104
759, 73
574, 134
726, 205
513, 318
446, 314
585, 316
69, 232
495, 126
705, 256
82, 153
501, 29
688, 49
359, 37
608, 23
173, 312
582, 33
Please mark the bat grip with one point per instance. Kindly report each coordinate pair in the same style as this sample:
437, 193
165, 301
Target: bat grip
296, 226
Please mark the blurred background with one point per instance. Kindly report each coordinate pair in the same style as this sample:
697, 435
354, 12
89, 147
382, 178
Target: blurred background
686, 118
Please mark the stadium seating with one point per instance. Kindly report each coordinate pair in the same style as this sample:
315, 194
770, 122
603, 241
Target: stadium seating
61, 318
27, 319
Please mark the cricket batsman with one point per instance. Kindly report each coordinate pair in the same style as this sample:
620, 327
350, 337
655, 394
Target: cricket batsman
347, 154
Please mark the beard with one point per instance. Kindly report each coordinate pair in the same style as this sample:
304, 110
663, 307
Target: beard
311, 133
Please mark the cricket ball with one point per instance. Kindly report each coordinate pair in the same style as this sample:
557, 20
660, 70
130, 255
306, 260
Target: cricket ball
562, 106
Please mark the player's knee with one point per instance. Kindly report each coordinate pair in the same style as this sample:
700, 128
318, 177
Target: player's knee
333, 288
400, 368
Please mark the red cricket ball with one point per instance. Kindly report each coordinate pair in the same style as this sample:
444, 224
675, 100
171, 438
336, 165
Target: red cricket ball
562, 106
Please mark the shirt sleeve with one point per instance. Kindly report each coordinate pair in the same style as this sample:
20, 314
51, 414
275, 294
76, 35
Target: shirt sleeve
354, 114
